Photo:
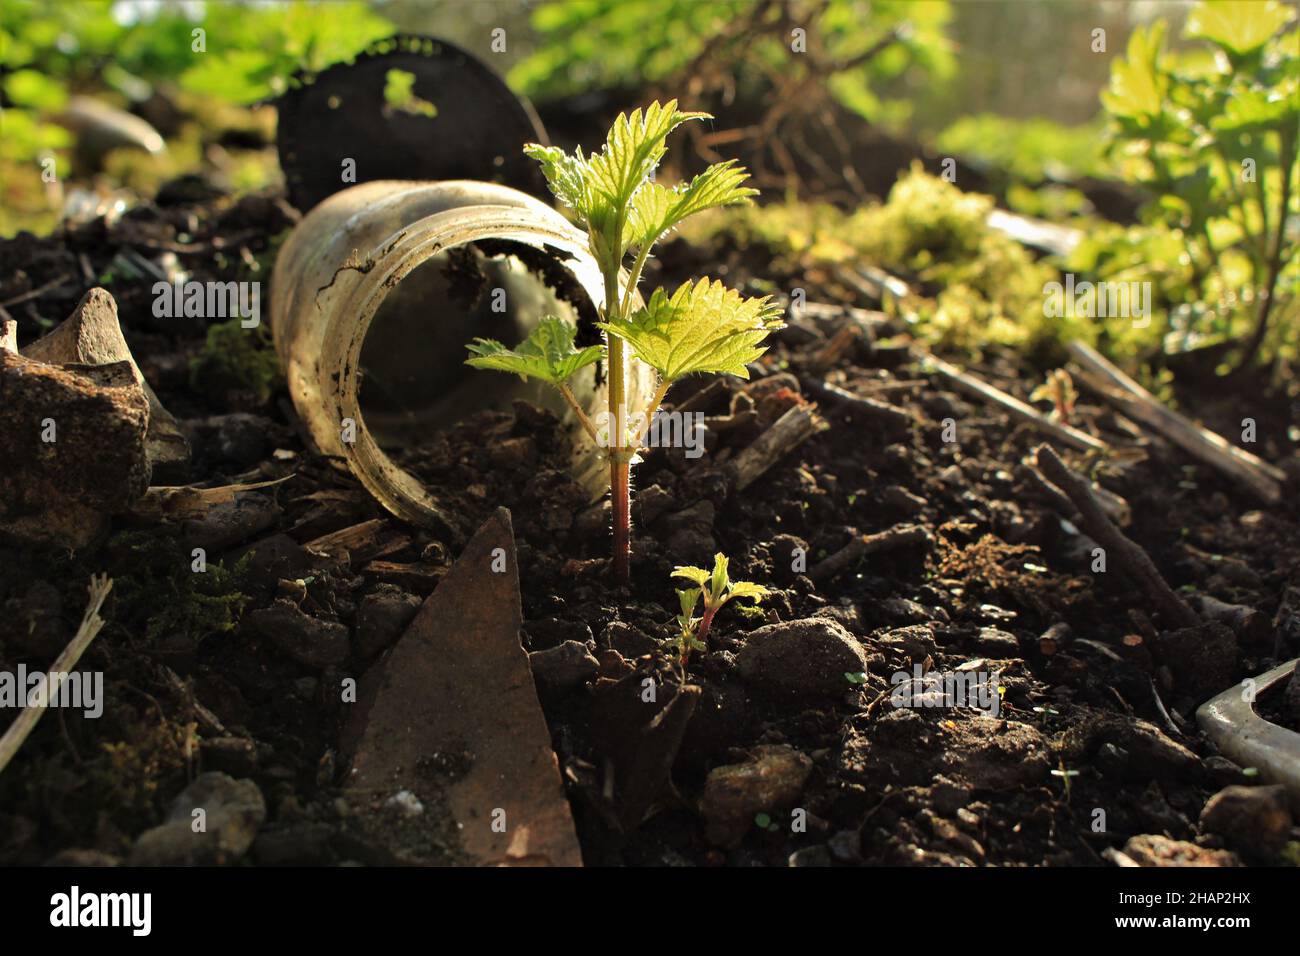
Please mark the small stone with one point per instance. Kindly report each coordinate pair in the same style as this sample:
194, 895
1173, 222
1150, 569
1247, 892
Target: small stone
381, 619
949, 797
901, 500
231, 522
846, 846
916, 641
628, 640
652, 503
1254, 821
1151, 849
771, 781
801, 659
513, 453
997, 643
406, 803
811, 856
561, 670
232, 812
306, 639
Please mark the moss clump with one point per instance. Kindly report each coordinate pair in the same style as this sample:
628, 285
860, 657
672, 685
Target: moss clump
236, 360
162, 597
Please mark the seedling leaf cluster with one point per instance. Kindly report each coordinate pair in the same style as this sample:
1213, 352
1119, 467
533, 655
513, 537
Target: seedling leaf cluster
702, 327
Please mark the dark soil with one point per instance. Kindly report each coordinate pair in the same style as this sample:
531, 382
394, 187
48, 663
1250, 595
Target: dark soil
1097, 720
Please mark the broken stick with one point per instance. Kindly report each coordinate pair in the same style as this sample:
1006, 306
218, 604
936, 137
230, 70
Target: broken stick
1137, 403
890, 416
1009, 403
789, 431
864, 544
1130, 556
91, 622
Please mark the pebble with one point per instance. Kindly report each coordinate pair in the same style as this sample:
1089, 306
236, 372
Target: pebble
801, 659
561, 670
233, 810
1254, 821
306, 639
771, 782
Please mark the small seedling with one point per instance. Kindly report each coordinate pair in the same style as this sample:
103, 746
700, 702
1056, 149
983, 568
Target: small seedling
1059, 390
717, 590
702, 327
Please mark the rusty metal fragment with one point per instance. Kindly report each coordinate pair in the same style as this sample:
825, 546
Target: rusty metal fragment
449, 722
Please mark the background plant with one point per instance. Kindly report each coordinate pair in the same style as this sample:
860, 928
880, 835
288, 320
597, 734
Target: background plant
1212, 133
701, 327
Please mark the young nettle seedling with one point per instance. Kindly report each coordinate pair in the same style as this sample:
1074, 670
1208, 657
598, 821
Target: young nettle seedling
717, 590
702, 327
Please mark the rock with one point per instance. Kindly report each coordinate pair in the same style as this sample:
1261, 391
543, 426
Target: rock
800, 659
1151, 849
92, 335
61, 491
846, 846
1203, 659
784, 549
233, 810
997, 755
901, 500
1149, 752
627, 640
236, 756
906, 612
848, 616
513, 453
1254, 821
381, 619
817, 855
231, 522
949, 797
561, 670
997, 643
306, 639
652, 503
771, 781
916, 641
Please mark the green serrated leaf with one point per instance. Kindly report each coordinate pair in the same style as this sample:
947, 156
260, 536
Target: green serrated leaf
1241, 26
599, 188
688, 599
547, 354
718, 581
694, 575
704, 327
747, 589
656, 209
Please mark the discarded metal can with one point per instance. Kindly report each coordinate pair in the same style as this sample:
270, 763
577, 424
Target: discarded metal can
430, 265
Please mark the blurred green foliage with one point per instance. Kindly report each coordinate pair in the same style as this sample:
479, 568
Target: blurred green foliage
586, 44
1211, 134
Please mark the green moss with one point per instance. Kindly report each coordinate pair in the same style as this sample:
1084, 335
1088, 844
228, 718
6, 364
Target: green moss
161, 596
236, 359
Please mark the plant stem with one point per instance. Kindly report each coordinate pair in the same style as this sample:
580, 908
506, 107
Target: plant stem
582, 416
620, 485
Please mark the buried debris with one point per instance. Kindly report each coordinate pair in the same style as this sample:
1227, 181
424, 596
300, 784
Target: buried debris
457, 682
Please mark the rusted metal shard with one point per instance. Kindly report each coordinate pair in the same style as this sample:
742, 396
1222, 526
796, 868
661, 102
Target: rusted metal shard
1251, 741
451, 718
